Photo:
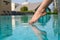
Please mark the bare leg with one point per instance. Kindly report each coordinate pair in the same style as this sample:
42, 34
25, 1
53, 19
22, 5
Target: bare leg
36, 16
41, 11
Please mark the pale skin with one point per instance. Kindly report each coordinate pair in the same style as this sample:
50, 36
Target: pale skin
40, 11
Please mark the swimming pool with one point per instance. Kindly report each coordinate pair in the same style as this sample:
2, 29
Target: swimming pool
17, 28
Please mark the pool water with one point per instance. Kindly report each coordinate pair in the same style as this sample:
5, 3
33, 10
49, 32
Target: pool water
17, 28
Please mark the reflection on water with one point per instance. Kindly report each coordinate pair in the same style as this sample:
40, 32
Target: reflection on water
59, 25
5, 26
23, 31
44, 19
55, 25
50, 29
24, 19
42, 35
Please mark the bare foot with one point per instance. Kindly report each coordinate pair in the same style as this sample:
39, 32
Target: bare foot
36, 17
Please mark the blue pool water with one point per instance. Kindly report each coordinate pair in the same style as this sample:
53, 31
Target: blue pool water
17, 28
